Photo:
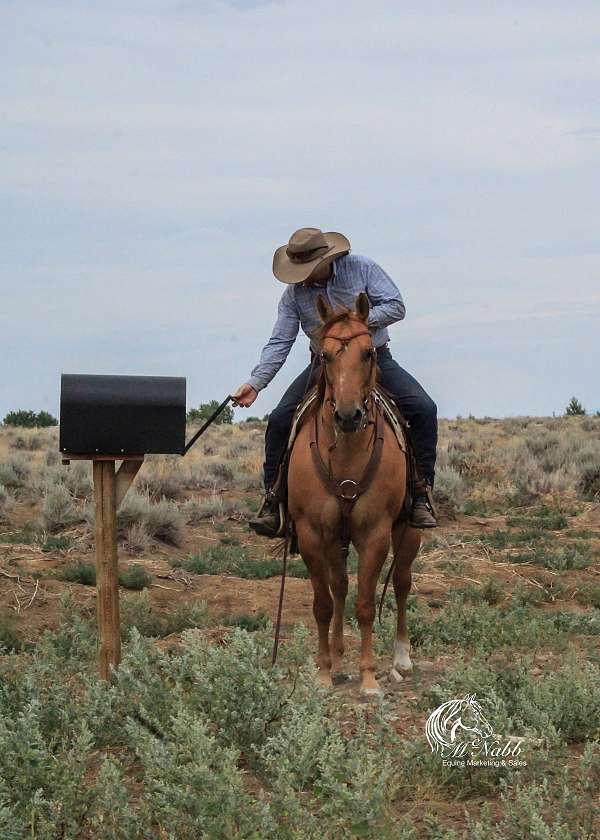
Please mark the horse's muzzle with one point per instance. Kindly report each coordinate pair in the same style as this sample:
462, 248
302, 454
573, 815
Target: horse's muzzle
349, 421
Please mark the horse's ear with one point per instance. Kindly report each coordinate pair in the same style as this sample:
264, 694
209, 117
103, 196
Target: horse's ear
324, 309
362, 307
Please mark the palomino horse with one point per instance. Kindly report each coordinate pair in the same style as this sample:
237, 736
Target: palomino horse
347, 433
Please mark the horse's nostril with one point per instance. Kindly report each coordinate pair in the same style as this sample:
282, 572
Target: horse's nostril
358, 414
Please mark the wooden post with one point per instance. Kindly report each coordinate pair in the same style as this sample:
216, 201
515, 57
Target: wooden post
107, 570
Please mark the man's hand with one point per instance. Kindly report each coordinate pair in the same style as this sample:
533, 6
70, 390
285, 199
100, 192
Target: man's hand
244, 396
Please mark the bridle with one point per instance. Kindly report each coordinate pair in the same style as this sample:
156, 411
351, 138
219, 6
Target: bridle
345, 341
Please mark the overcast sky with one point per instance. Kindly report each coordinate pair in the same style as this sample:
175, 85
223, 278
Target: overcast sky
153, 154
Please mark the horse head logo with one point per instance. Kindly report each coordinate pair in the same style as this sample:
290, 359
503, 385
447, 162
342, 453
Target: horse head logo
456, 721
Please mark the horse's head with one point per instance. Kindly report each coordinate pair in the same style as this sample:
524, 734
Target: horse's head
472, 717
349, 361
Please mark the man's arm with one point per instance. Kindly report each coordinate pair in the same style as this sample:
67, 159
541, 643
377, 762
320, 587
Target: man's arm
387, 305
275, 351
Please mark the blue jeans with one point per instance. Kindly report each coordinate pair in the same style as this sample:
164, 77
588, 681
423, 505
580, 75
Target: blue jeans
412, 400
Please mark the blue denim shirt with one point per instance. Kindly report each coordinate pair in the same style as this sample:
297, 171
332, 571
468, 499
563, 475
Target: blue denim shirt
298, 308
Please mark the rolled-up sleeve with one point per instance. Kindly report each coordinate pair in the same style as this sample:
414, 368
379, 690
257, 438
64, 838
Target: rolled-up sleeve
276, 350
387, 305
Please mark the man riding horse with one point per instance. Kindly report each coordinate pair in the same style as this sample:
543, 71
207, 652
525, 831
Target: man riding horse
314, 263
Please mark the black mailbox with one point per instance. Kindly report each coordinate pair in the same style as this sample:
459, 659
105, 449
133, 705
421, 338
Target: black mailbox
122, 415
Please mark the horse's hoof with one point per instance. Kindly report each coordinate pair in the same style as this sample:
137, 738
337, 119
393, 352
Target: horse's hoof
371, 693
324, 680
404, 667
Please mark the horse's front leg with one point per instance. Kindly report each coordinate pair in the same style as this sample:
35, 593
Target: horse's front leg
338, 584
312, 553
372, 554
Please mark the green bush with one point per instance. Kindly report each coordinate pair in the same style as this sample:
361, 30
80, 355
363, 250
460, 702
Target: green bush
29, 419
135, 577
80, 572
202, 413
9, 636
574, 408
234, 560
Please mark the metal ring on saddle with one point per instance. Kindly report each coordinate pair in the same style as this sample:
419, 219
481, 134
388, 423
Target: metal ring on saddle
342, 492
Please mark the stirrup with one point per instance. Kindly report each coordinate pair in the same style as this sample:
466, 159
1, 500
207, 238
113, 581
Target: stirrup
264, 530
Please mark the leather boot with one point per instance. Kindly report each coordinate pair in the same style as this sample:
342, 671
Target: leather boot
423, 514
268, 521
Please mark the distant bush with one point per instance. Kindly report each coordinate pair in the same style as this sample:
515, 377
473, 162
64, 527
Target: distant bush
29, 419
575, 408
204, 410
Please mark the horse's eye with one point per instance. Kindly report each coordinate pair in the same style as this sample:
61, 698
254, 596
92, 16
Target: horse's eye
325, 357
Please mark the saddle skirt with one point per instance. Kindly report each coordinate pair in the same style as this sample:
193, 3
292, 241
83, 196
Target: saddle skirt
391, 414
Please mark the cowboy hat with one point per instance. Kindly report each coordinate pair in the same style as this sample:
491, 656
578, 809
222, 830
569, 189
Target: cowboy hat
307, 249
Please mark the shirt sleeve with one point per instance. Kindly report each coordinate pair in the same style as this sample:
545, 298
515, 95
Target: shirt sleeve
276, 350
387, 305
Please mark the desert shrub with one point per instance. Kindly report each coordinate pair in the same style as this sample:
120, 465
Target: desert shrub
80, 572
164, 523
161, 520
589, 480
234, 560
78, 478
135, 577
137, 538
132, 511
450, 489
138, 612
5, 505
563, 704
58, 510
561, 806
10, 638
221, 470
194, 786
14, 472
52, 457
162, 483
541, 518
589, 595
54, 543
30, 442
250, 623
216, 506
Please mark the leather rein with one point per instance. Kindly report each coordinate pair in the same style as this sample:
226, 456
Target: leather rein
348, 491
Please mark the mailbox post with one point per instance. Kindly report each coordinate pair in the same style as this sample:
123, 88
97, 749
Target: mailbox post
107, 419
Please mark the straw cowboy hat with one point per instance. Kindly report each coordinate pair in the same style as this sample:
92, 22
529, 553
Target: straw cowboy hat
307, 249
